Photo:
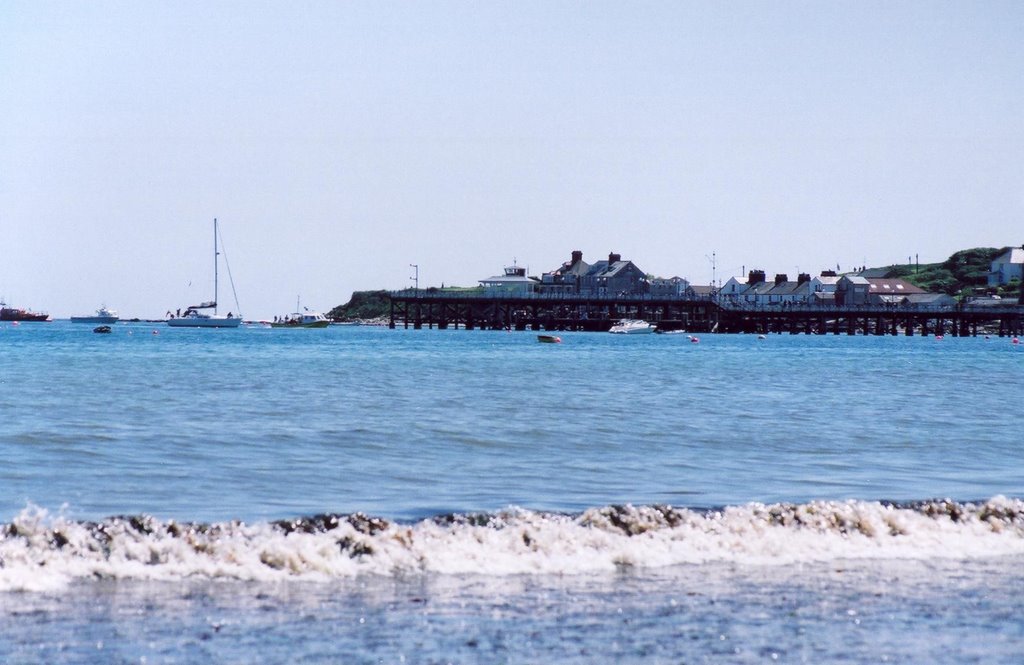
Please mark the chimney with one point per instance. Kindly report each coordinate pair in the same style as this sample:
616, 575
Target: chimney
577, 256
781, 277
614, 258
803, 278
755, 277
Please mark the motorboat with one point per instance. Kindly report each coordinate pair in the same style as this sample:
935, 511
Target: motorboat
102, 315
196, 316
631, 327
549, 339
17, 314
304, 319
101, 329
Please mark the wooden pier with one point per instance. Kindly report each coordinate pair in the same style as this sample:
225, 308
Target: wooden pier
443, 310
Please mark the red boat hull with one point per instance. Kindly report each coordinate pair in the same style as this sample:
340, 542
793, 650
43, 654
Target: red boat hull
15, 314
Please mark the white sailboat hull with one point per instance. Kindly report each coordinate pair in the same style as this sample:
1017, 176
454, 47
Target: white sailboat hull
203, 321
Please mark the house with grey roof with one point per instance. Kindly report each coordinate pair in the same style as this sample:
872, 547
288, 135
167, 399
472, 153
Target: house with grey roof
671, 287
567, 278
735, 288
614, 277
786, 292
611, 277
852, 290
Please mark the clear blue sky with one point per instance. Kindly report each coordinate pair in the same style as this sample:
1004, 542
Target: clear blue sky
339, 142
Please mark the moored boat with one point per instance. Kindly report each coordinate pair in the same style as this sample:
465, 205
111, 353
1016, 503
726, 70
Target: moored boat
8, 313
631, 327
549, 339
196, 316
306, 319
302, 317
102, 315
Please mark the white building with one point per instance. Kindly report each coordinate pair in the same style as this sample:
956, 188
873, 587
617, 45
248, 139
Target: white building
1006, 267
513, 283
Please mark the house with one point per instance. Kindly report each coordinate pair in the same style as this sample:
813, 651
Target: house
735, 287
673, 287
852, 290
825, 282
567, 278
703, 291
823, 288
758, 292
513, 283
611, 277
891, 291
614, 277
1007, 266
859, 290
790, 293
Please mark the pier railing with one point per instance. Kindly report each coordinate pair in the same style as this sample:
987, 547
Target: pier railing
597, 311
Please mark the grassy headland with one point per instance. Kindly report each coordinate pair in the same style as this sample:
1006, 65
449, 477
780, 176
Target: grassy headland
965, 273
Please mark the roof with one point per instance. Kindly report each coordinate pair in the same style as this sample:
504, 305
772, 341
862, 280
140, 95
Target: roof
929, 298
759, 288
509, 279
1012, 255
787, 288
604, 269
893, 286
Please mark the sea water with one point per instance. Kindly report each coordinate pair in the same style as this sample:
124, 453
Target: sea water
358, 494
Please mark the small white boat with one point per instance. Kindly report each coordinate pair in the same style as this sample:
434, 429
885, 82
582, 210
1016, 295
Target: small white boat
102, 315
631, 327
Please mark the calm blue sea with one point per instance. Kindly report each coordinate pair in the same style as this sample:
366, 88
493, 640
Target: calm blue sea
358, 494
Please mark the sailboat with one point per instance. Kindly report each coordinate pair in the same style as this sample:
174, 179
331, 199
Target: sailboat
195, 316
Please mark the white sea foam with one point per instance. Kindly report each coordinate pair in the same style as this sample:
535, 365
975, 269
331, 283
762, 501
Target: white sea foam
43, 552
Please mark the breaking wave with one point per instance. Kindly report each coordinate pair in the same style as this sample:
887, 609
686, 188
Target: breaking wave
39, 551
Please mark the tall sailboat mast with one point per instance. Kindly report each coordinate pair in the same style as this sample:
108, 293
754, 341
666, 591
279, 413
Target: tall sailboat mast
215, 255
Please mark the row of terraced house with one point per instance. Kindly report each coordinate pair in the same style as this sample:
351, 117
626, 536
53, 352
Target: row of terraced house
618, 277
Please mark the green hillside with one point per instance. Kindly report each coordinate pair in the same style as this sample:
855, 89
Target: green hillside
962, 274
365, 305
362, 305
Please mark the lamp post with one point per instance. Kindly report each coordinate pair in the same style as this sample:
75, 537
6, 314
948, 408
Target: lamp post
416, 277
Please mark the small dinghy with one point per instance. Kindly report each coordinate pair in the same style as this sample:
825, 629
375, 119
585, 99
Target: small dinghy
101, 329
549, 339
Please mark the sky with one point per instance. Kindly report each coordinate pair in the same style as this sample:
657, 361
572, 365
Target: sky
341, 143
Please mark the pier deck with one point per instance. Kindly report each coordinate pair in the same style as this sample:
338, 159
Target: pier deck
444, 310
